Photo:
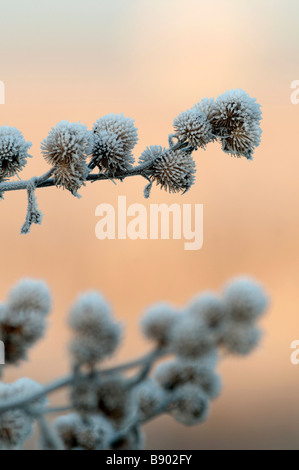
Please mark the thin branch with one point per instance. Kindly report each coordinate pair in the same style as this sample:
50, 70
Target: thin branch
139, 422
45, 180
57, 409
74, 378
50, 439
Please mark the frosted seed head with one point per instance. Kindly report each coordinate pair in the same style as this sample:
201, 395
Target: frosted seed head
209, 309
174, 171
151, 153
66, 149
91, 311
172, 374
88, 349
149, 396
31, 295
67, 143
192, 125
158, 321
70, 176
242, 139
206, 106
15, 428
65, 427
84, 396
93, 433
23, 318
233, 108
190, 405
109, 154
15, 425
21, 329
123, 128
240, 339
116, 401
245, 299
132, 440
96, 334
191, 339
13, 151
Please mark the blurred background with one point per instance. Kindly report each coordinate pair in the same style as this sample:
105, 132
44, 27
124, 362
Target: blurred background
80, 60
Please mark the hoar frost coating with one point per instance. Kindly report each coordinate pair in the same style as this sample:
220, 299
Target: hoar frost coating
190, 405
116, 401
23, 318
209, 308
194, 126
150, 396
111, 398
151, 153
191, 338
92, 433
115, 136
176, 372
174, 171
16, 425
110, 404
157, 323
237, 118
96, 334
66, 148
13, 151
240, 339
245, 299
132, 440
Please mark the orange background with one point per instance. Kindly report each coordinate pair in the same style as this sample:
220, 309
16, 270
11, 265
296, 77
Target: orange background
80, 60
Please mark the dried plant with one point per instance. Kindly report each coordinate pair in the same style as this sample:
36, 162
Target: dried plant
74, 152
107, 407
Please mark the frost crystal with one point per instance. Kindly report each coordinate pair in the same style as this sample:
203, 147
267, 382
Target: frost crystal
97, 335
158, 321
193, 126
13, 151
